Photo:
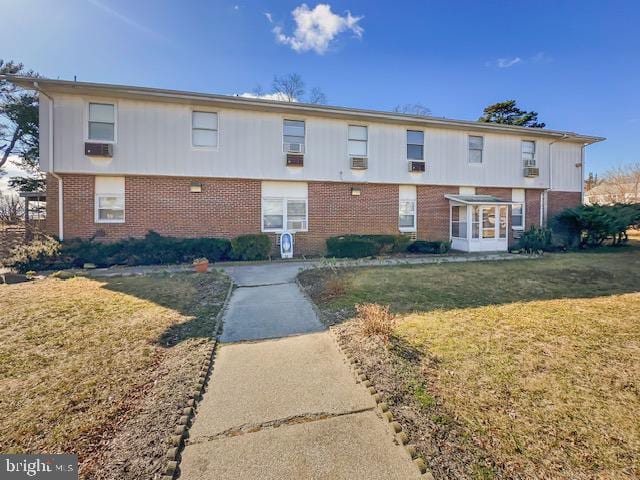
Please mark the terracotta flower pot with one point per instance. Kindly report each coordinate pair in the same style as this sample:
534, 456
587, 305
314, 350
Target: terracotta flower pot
201, 267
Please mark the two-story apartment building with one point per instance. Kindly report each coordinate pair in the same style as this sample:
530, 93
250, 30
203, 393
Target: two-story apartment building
124, 160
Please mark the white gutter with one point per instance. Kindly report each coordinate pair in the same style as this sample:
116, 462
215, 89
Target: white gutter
51, 163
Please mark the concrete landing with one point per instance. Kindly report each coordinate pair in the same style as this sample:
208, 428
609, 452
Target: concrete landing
255, 383
349, 447
269, 311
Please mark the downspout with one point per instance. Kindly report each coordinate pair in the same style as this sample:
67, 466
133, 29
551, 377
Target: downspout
51, 163
582, 173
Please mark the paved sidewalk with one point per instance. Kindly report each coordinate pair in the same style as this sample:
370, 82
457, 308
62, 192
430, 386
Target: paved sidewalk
287, 407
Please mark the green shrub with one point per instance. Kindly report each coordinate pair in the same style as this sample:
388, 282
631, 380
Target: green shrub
536, 239
351, 246
36, 255
153, 249
401, 243
593, 225
358, 246
251, 247
423, 246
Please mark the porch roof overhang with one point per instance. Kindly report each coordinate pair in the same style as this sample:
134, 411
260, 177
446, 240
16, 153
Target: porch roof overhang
478, 200
36, 196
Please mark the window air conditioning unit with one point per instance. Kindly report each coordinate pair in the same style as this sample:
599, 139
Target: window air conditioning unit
530, 172
417, 166
359, 163
295, 160
98, 149
294, 147
296, 225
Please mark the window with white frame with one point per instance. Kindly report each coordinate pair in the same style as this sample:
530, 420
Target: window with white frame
415, 145
476, 144
293, 136
475, 222
517, 208
517, 216
278, 212
109, 200
529, 153
459, 221
502, 226
204, 129
358, 137
102, 122
407, 215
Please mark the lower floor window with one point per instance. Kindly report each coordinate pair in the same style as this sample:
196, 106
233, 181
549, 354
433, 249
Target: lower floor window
407, 219
459, 221
517, 215
278, 212
110, 208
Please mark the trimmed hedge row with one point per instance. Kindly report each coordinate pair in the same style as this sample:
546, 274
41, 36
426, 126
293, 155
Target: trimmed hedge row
423, 246
153, 249
359, 246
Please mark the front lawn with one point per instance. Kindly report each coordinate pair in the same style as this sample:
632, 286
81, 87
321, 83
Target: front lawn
84, 360
522, 369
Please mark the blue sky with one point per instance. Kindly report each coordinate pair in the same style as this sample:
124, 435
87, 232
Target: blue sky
575, 62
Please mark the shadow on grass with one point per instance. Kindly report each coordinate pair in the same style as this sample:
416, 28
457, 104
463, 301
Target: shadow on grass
466, 285
198, 297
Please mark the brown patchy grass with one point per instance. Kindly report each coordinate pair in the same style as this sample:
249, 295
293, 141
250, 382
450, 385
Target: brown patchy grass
78, 355
524, 369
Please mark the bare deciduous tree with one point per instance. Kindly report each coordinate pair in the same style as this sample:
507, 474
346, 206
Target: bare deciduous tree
413, 109
317, 96
290, 87
11, 209
619, 185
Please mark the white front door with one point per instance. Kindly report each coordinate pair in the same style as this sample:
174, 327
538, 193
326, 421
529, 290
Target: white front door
489, 228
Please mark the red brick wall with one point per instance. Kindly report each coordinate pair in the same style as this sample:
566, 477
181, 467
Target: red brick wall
433, 211
334, 211
231, 207
558, 201
51, 221
532, 208
225, 208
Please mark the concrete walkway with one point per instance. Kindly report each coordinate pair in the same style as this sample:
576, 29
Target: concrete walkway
281, 403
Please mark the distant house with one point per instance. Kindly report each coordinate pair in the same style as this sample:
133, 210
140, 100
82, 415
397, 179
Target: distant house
124, 160
607, 193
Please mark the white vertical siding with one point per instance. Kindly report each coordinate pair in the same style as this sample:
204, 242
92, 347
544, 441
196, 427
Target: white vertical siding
155, 139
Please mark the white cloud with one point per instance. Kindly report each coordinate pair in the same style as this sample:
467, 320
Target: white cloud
236, 7
11, 169
267, 96
269, 17
541, 57
317, 28
508, 62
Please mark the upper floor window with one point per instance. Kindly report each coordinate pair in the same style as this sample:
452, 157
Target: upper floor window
293, 136
204, 129
102, 122
529, 153
476, 144
415, 145
358, 137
